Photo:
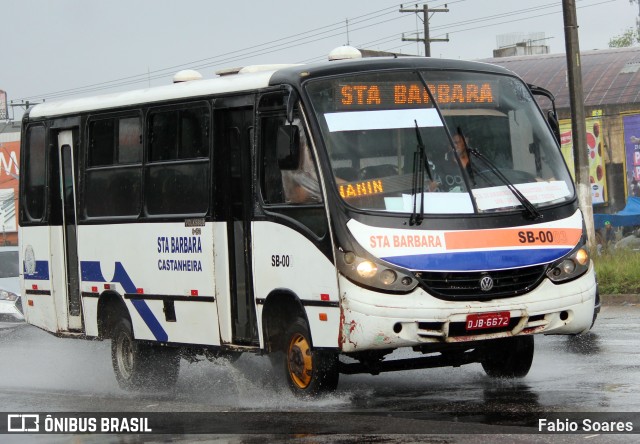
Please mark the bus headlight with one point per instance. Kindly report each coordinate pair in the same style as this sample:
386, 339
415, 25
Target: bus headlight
367, 269
372, 273
573, 265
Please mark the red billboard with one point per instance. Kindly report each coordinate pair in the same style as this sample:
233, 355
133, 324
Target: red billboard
9, 173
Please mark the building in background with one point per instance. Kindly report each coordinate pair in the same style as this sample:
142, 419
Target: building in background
9, 172
519, 44
611, 83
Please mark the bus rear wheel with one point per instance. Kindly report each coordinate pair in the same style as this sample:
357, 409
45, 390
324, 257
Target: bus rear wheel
140, 366
508, 358
308, 371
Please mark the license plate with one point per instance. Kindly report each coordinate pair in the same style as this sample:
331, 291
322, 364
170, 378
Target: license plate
488, 320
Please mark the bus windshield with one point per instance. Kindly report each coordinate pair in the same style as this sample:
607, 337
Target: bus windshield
388, 142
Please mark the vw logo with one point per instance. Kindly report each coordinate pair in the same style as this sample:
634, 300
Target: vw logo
486, 283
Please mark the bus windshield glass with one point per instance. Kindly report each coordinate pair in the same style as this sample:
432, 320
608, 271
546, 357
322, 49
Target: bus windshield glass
388, 142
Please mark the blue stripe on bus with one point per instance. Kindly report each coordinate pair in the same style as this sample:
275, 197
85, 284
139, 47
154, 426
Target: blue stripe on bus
41, 272
478, 260
121, 276
148, 317
92, 272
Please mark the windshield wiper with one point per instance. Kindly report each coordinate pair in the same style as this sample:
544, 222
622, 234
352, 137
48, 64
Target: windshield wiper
531, 210
420, 162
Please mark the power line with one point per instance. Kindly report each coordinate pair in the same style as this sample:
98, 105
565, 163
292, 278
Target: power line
448, 27
295, 40
334, 28
513, 20
425, 20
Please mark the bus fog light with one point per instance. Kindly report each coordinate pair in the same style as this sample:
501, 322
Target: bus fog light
388, 277
367, 269
349, 258
568, 266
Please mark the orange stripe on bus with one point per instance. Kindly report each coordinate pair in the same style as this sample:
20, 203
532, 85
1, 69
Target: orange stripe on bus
456, 240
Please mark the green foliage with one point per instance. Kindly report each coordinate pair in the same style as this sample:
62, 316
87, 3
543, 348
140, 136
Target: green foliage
618, 273
628, 38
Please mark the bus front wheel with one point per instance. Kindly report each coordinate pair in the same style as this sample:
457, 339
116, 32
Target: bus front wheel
308, 372
508, 358
140, 366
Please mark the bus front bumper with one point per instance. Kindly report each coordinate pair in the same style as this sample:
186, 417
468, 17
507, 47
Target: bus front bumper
382, 321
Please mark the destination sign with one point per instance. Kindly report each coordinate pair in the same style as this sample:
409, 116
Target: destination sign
370, 95
358, 189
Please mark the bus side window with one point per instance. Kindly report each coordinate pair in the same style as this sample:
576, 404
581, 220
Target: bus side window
177, 175
35, 173
114, 171
101, 142
163, 130
300, 183
290, 174
129, 140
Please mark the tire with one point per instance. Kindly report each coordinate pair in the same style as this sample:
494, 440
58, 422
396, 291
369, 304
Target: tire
140, 366
308, 372
508, 358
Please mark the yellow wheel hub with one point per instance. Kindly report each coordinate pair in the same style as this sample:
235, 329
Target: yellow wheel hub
299, 361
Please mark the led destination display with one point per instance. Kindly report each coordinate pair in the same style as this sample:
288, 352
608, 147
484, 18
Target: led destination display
367, 95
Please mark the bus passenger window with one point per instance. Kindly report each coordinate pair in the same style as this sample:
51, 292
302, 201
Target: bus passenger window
194, 131
179, 134
114, 175
101, 142
115, 141
164, 130
129, 140
177, 188
180, 140
35, 172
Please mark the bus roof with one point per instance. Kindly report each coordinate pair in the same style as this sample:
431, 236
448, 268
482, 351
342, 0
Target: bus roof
174, 91
250, 79
297, 74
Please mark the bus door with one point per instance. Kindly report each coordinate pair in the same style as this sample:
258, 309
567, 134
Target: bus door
68, 286
234, 206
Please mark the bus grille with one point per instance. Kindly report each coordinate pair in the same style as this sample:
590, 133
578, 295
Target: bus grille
467, 285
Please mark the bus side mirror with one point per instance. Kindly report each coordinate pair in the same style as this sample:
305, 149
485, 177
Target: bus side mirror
292, 100
288, 147
553, 123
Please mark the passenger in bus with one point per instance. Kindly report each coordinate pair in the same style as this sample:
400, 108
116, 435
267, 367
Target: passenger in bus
301, 186
460, 146
449, 175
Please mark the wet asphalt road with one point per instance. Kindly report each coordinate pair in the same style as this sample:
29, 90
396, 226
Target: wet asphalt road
596, 374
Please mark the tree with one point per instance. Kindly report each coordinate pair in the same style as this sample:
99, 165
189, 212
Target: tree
628, 38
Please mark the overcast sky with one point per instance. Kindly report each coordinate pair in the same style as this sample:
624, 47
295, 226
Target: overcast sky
54, 48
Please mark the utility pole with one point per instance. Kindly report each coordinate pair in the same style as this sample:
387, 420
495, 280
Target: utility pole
578, 125
425, 19
637, 18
